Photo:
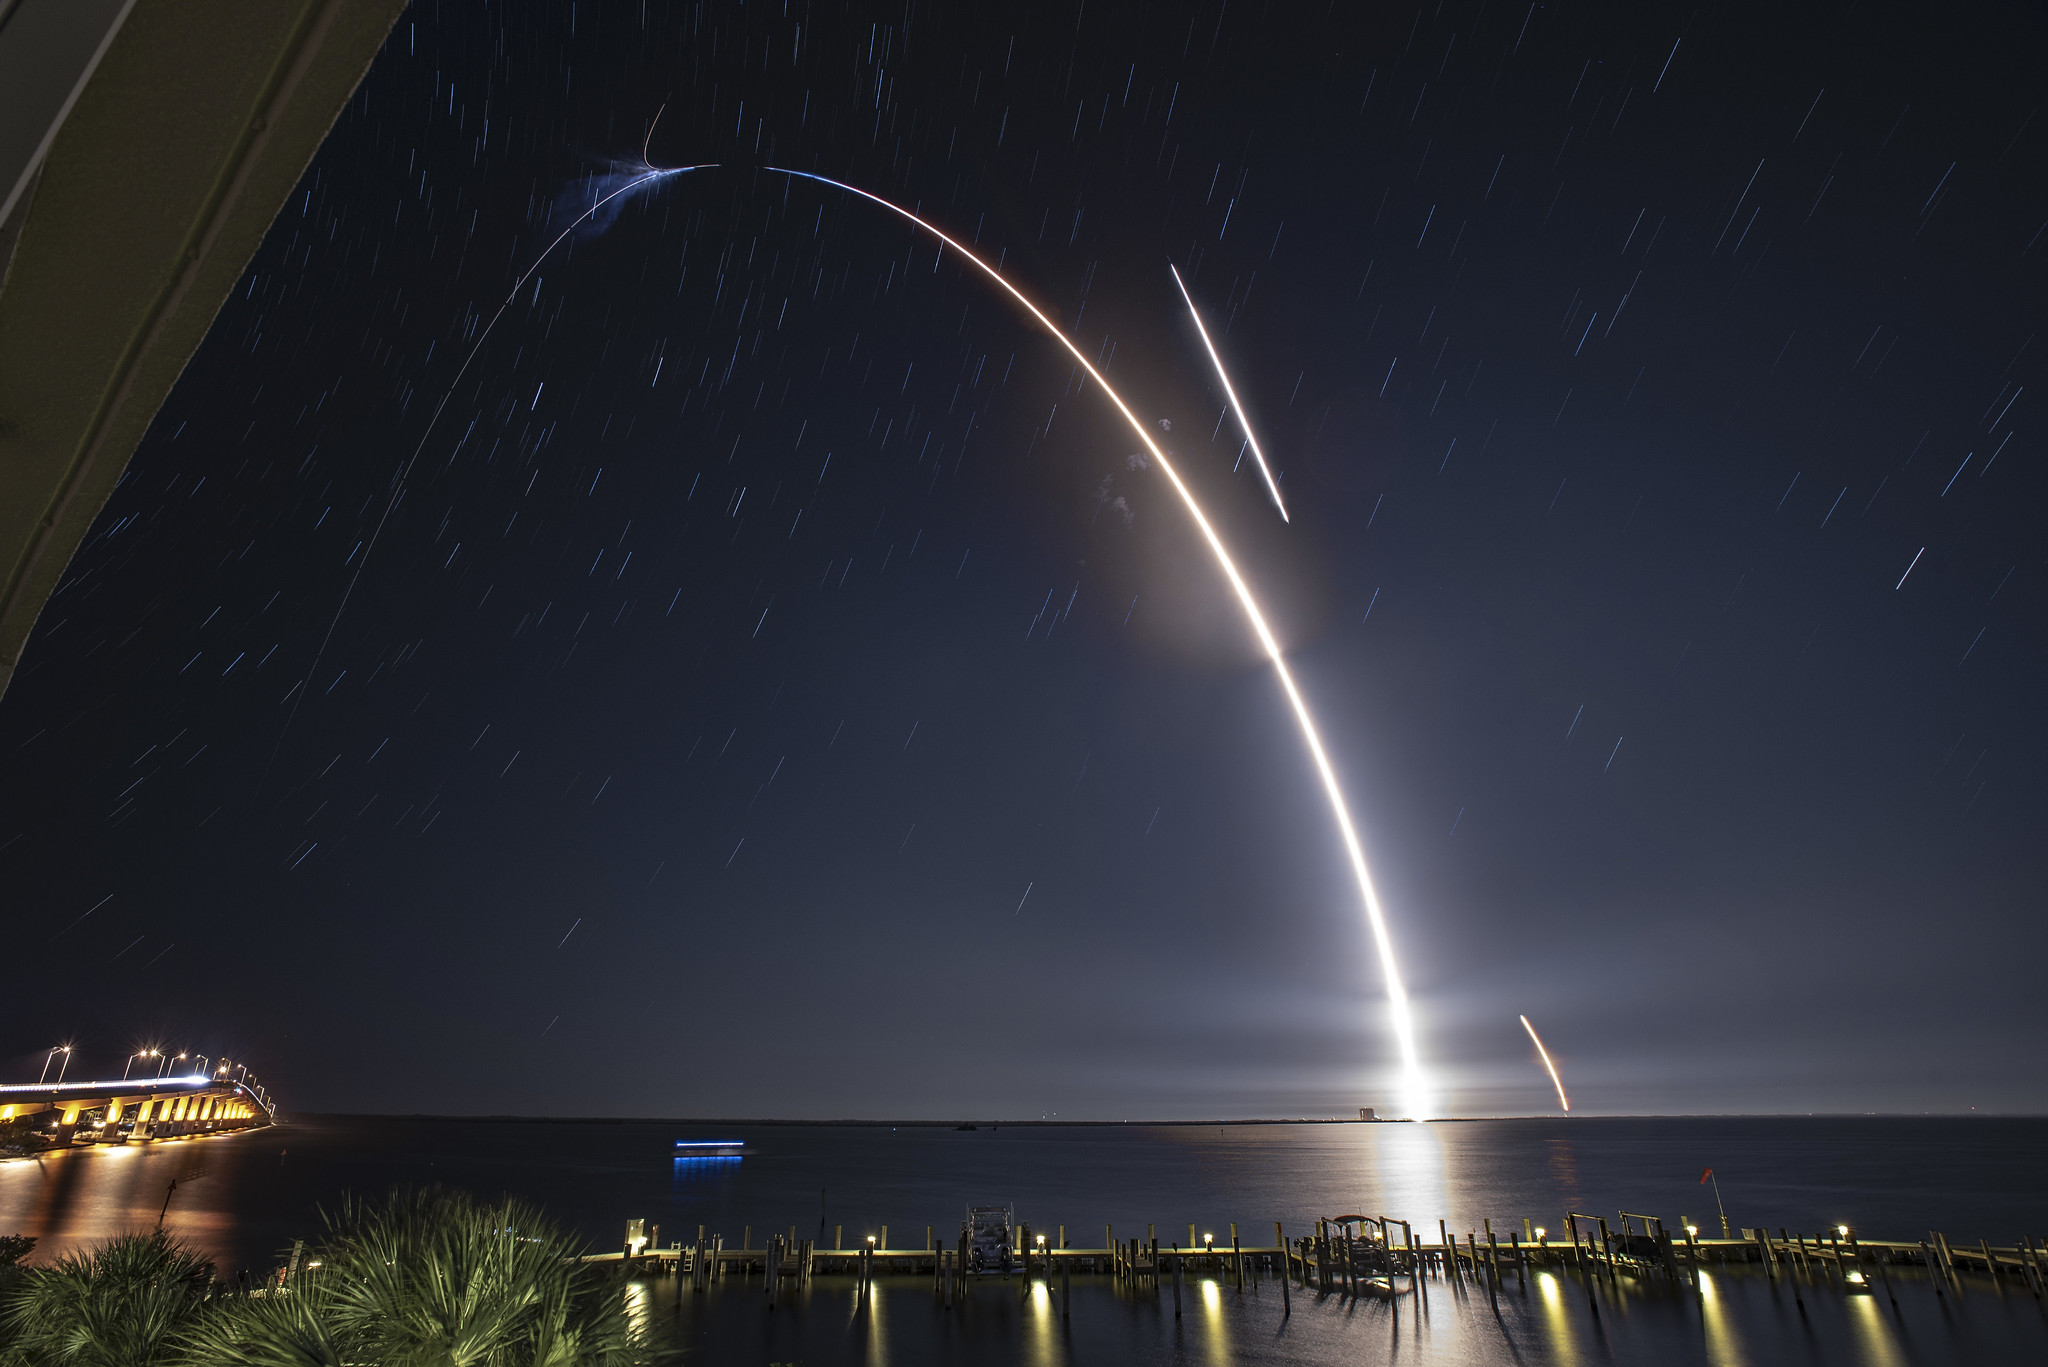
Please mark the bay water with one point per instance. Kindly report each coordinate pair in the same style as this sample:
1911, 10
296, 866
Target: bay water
244, 1199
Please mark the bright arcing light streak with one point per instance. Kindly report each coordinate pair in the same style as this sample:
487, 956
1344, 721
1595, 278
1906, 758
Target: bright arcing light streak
1544, 1054
1235, 405
1414, 1085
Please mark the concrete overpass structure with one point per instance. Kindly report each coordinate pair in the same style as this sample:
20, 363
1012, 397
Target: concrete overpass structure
56, 1114
145, 146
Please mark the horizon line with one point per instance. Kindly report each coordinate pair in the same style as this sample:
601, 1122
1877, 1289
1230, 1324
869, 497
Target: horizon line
956, 1122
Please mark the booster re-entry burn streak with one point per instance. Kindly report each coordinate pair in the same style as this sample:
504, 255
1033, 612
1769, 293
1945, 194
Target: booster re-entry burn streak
1544, 1054
1236, 405
1415, 1088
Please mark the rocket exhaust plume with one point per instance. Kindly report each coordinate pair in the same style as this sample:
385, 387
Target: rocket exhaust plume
1544, 1054
1416, 1097
1231, 392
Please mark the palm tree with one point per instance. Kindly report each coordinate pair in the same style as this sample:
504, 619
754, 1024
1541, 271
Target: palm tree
128, 1303
432, 1278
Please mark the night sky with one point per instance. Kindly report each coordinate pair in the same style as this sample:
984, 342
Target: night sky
775, 690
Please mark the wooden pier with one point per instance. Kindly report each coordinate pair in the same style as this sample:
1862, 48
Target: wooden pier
1358, 1255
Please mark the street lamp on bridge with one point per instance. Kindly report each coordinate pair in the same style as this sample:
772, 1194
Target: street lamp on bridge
63, 1049
146, 1053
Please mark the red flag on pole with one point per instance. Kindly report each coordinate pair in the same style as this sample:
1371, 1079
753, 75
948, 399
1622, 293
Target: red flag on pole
1705, 1175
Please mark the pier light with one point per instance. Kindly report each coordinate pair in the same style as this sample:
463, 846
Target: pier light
1041, 1241
1208, 1240
871, 1238
1540, 1231
1842, 1230
1692, 1231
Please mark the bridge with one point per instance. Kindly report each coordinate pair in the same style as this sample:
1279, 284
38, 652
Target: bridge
53, 1115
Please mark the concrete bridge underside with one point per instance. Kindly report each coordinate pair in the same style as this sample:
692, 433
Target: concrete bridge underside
156, 1108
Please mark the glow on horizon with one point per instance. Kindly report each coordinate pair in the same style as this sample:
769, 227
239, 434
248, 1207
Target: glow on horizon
1230, 391
1544, 1054
1415, 1085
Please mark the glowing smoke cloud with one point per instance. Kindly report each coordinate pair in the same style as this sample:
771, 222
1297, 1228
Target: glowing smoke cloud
1544, 1054
1415, 1087
1236, 406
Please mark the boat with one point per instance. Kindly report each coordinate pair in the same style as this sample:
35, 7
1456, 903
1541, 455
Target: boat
710, 1148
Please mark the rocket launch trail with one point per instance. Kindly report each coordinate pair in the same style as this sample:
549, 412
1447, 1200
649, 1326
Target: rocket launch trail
1415, 1087
651, 176
1544, 1054
1230, 391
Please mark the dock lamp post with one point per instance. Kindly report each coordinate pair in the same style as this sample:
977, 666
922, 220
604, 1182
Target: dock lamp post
146, 1053
63, 1049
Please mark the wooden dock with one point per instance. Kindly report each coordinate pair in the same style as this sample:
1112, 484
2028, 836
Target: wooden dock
1364, 1256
